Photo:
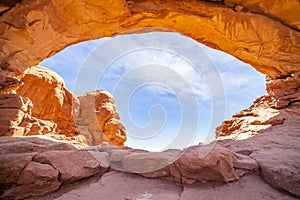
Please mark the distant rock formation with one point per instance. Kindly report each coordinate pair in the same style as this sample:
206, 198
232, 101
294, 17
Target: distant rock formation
50, 98
99, 120
279, 107
42, 105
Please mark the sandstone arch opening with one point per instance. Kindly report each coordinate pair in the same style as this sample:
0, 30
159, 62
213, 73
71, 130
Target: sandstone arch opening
242, 85
262, 33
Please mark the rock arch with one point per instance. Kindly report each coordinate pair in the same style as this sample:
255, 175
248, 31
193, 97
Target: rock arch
262, 34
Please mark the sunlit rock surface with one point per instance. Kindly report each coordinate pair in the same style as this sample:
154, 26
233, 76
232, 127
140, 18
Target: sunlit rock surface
17, 120
262, 33
99, 120
43, 105
280, 107
50, 98
283, 11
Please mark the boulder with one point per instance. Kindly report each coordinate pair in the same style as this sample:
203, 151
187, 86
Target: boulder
36, 179
73, 165
33, 167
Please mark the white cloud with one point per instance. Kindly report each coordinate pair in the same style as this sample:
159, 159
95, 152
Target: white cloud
157, 66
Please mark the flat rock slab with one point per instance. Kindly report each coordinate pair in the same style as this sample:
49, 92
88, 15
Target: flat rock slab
247, 188
122, 186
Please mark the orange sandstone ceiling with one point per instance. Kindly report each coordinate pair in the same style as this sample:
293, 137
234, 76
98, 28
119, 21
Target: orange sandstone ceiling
263, 33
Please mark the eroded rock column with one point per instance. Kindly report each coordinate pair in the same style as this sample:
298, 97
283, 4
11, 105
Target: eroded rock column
99, 120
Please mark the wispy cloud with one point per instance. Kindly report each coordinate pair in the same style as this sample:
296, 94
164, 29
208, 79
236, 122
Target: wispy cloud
159, 67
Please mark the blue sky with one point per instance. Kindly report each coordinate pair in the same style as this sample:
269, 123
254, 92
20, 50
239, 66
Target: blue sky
170, 90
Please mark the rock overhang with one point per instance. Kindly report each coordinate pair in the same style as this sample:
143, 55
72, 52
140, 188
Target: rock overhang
260, 35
